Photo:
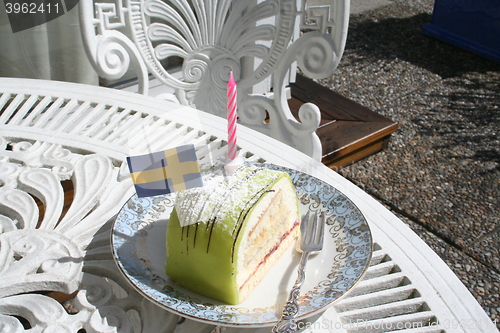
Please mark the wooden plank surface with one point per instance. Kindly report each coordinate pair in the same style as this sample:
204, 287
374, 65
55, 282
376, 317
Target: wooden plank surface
348, 131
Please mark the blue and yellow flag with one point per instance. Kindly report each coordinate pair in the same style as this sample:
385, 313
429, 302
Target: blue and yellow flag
166, 171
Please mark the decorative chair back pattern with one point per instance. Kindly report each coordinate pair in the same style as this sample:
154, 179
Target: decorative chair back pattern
256, 40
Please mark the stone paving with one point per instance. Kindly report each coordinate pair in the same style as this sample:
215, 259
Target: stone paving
441, 171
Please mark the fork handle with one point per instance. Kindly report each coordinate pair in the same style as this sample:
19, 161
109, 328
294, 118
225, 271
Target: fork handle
287, 322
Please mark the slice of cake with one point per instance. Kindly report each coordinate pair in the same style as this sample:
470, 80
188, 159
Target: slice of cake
223, 237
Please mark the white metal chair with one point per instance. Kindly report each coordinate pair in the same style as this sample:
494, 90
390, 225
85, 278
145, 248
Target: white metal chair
258, 40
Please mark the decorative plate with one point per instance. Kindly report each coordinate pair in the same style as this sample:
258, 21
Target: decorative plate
138, 243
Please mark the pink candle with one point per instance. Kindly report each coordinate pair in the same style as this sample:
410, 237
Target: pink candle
231, 118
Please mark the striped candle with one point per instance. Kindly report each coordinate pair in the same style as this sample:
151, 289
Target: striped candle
231, 118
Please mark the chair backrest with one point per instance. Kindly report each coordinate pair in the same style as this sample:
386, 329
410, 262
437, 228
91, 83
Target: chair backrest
258, 40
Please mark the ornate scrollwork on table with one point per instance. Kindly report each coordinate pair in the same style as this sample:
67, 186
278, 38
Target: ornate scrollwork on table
46, 247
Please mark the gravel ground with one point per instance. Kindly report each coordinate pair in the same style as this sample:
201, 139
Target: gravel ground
441, 171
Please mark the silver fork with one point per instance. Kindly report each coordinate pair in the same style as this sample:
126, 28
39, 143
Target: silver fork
310, 242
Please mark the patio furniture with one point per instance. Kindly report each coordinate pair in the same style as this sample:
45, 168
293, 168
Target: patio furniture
63, 179
191, 47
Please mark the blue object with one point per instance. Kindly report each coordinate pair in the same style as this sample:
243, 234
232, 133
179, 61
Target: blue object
164, 172
473, 25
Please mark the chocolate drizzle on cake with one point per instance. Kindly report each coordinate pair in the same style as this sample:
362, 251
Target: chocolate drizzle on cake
195, 233
223, 237
242, 217
220, 204
200, 206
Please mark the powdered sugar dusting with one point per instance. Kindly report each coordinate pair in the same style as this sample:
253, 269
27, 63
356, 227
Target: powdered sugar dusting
224, 196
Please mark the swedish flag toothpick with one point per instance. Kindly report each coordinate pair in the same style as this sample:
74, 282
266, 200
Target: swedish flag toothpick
166, 171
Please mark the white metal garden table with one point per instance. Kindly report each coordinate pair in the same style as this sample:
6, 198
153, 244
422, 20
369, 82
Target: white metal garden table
59, 138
